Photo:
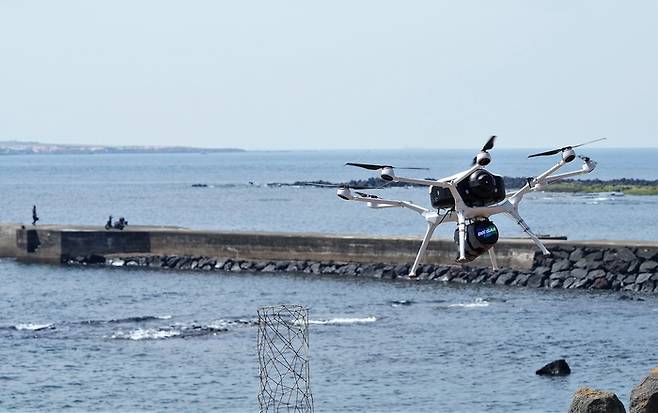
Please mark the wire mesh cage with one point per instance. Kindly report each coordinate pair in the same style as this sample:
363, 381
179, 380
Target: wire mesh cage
283, 355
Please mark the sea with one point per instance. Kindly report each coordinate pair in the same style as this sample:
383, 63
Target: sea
105, 339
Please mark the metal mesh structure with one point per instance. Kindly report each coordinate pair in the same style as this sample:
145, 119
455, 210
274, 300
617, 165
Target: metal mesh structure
283, 354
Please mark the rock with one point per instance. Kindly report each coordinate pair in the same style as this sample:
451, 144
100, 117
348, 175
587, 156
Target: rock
625, 255
521, 280
270, 268
555, 368
642, 278
630, 279
592, 275
562, 275
644, 397
555, 283
579, 273
584, 283
587, 400
542, 270
117, 263
600, 284
648, 266
577, 255
505, 278
561, 265
568, 282
633, 266
536, 280
647, 253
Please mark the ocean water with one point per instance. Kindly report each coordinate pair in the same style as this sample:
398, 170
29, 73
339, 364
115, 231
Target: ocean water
106, 339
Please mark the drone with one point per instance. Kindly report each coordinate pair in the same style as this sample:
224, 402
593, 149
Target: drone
470, 198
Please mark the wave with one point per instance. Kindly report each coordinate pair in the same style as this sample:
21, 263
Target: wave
477, 303
344, 321
33, 327
397, 303
145, 334
178, 331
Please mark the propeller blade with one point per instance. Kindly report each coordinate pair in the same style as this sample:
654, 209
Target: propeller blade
555, 151
490, 144
587, 143
374, 167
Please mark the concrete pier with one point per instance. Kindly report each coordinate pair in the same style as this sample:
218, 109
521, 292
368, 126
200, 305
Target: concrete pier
615, 265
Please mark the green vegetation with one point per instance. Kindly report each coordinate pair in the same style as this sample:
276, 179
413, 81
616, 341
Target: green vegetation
574, 186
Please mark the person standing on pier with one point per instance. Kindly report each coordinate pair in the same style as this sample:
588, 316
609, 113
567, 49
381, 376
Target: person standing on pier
35, 217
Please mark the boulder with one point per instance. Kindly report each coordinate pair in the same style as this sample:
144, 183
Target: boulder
642, 278
561, 265
536, 280
600, 284
648, 266
555, 368
644, 397
647, 253
587, 400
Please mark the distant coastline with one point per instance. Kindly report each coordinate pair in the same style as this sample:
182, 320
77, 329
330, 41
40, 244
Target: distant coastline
39, 148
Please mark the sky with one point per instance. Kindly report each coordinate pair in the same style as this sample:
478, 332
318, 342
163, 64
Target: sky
329, 75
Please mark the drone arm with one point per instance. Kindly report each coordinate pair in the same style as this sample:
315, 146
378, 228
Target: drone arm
587, 167
424, 182
390, 203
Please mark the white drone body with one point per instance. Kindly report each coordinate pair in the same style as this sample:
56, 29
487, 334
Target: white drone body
475, 234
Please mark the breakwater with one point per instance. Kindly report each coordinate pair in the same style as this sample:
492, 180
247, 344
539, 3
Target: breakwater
628, 186
602, 265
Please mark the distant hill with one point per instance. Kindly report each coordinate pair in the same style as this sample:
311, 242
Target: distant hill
22, 148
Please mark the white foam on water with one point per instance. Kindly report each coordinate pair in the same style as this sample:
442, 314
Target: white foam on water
145, 334
477, 303
344, 321
164, 317
32, 326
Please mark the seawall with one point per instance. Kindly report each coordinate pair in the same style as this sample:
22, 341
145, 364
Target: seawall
616, 265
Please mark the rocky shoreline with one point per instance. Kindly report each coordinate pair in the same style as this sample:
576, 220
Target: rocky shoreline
569, 267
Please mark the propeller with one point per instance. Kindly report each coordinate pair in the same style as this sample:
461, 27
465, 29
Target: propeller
487, 146
556, 151
374, 167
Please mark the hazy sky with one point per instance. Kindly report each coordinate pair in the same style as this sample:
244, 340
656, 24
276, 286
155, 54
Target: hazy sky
332, 74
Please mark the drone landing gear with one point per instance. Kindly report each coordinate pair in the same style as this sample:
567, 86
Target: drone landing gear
423, 247
515, 215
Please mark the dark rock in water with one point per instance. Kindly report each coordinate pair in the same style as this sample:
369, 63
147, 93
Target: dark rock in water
587, 400
555, 368
644, 397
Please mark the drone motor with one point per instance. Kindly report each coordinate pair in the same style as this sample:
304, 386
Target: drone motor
481, 235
